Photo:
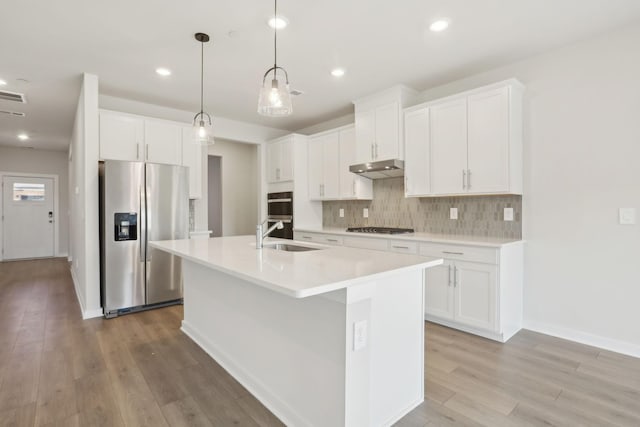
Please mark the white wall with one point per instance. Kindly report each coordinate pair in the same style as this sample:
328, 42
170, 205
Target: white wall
582, 156
240, 178
83, 179
46, 162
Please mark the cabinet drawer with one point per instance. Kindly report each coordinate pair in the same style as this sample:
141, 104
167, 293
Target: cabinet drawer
404, 247
327, 239
458, 252
366, 243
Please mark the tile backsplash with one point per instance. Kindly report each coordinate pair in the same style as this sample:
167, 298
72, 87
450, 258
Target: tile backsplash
477, 215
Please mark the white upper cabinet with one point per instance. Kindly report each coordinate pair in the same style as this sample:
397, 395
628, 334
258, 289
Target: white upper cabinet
121, 136
192, 158
449, 147
352, 186
280, 160
323, 166
470, 143
417, 177
163, 142
378, 130
136, 138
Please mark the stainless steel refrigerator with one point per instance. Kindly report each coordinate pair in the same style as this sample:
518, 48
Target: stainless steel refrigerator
140, 202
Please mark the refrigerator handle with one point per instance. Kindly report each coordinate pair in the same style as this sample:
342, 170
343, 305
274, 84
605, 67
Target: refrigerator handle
143, 225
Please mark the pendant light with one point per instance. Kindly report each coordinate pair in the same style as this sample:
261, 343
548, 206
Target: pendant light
202, 125
275, 99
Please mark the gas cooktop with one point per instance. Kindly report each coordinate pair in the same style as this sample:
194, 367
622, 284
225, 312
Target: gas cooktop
380, 230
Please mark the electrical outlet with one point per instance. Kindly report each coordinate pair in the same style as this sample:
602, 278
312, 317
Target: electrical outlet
453, 213
508, 214
359, 335
627, 216
365, 213
341, 213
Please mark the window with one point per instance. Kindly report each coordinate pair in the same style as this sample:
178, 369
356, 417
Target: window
28, 192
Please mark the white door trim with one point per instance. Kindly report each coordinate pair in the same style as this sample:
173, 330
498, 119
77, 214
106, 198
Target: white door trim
56, 208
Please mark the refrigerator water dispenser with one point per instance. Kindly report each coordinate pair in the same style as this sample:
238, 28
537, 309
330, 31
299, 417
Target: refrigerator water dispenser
126, 226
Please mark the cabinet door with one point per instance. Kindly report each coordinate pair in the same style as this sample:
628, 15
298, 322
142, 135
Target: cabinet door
387, 132
274, 150
352, 186
365, 131
488, 142
163, 142
121, 137
286, 160
449, 147
192, 158
438, 295
315, 167
331, 166
475, 294
416, 145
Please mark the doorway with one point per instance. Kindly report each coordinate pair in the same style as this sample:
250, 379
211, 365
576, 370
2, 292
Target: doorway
29, 205
214, 193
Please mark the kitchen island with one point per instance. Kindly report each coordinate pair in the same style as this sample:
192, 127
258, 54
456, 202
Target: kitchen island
326, 337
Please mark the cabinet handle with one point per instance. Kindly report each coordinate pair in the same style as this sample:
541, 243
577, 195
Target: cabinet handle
278, 174
453, 253
332, 240
464, 179
307, 237
449, 266
455, 276
468, 179
354, 188
406, 185
372, 155
137, 151
399, 247
147, 154
376, 144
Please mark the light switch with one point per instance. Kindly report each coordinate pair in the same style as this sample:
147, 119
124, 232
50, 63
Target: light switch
627, 216
359, 335
508, 214
365, 213
453, 213
341, 213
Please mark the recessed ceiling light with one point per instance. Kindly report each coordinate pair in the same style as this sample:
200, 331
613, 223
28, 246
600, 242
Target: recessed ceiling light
164, 72
278, 22
439, 25
337, 72
23, 136
2, 82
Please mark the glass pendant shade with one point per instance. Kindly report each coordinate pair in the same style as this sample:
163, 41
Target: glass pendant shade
275, 98
202, 129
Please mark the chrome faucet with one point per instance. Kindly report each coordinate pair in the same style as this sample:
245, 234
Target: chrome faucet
260, 235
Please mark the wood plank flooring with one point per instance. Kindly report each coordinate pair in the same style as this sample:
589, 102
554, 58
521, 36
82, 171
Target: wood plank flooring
140, 370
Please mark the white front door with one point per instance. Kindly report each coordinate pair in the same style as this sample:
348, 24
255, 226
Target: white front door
28, 217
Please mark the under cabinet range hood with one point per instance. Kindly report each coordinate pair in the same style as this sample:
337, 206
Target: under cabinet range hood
379, 170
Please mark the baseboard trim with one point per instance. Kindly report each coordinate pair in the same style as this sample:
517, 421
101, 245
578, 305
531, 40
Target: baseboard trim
279, 408
86, 314
585, 338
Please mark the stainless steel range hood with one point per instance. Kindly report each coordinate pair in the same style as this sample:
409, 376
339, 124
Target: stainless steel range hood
379, 170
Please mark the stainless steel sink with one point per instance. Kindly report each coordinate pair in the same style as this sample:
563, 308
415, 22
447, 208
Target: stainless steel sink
289, 248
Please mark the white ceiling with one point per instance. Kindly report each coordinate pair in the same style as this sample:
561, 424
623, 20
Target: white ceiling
379, 42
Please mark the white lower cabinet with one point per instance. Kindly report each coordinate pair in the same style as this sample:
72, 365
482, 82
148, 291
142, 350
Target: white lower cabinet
478, 289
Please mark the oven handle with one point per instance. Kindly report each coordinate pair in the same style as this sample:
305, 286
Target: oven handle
286, 221
278, 200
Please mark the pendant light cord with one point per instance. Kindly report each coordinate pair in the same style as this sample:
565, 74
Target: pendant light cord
201, 77
275, 38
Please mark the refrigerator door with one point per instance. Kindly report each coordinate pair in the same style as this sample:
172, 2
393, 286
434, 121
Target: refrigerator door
122, 235
167, 218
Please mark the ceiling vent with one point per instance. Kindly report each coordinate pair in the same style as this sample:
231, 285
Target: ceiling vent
12, 96
12, 113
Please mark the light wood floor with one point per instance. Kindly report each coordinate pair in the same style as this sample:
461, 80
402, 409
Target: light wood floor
140, 370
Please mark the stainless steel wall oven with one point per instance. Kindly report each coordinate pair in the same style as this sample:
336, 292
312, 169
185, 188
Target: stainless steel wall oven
280, 208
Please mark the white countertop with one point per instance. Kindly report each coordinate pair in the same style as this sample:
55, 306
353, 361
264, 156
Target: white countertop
492, 242
297, 274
